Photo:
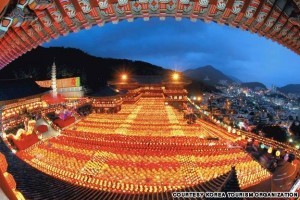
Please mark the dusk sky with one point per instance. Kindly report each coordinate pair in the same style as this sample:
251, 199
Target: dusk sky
185, 44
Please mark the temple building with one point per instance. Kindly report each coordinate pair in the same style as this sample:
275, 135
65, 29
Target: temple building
105, 100
171, 89
68, 87
18, 97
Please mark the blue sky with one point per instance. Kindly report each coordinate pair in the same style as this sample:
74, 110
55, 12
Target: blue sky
185, 44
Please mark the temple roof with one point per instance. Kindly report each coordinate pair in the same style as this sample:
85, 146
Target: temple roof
24, 24
151, 80
3, 6
19, 88
105, 91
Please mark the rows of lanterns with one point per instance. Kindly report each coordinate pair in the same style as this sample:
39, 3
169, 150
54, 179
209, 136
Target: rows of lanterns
270, 149
234, 131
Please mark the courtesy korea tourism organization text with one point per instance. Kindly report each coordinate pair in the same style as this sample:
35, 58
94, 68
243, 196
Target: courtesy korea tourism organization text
235, 195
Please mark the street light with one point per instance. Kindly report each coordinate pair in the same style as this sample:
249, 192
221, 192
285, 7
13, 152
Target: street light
124, 77
175, 76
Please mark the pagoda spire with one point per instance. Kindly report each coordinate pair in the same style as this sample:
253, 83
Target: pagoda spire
53, 80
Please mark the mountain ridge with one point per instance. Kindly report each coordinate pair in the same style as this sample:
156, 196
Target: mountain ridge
93, 71
254, 85
290, 88
208, 74
96, 71
74, 62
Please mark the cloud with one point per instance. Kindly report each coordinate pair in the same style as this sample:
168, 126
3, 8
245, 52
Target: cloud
186, 44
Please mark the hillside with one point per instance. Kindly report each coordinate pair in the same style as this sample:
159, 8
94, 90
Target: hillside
291, 88
253, 85
207, 74
93, 71
197, 87
235, 79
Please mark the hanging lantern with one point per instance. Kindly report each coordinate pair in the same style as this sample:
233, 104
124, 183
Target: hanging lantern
239, 133
234, 131
270, 150
277, 153
262, 146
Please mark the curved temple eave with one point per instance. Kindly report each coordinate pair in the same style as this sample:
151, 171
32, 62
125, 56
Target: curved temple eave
53, 18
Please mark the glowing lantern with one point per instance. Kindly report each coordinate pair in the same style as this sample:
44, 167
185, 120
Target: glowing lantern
270, 150
234, 131
262, 146
239, 133
277, 153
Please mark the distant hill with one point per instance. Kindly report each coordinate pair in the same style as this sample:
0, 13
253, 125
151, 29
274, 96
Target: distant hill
93, 71
275, 95
291, 88
207, 74
235, 79
197, 87
253, 85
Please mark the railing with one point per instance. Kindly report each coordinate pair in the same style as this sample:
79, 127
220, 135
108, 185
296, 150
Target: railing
265, 140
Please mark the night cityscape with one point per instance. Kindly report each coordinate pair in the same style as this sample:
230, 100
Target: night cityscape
149, 99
